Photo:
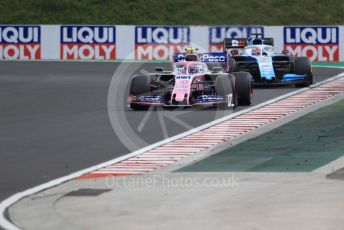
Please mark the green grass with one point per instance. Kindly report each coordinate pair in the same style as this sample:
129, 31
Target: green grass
337, 64
172, 12
302, 145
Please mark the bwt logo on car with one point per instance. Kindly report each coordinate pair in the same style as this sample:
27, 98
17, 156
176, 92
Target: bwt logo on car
159, 43
218, 34
20, 42
183, 77
318, 43
88, 42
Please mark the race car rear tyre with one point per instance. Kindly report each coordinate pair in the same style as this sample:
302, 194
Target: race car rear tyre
232, 67
235, 96
302, 65
243, 86
140, 85
223, 87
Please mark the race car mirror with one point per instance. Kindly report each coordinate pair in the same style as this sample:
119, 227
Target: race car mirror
285, 52
159, 69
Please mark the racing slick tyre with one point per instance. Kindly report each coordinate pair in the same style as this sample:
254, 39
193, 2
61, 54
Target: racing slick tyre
224, 88
140, 85
243, 86
232, 67
302, 65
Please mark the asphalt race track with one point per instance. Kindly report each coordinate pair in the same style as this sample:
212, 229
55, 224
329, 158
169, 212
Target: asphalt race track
54, 118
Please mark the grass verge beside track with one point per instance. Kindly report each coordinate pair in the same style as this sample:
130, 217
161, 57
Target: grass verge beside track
172, 12
299, 146
334, 64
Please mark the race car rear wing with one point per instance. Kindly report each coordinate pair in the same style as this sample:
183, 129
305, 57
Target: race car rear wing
240, 43
204, 57
234, 43
210, 59
265, 41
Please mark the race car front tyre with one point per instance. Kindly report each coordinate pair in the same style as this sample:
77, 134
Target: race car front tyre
223, 87
140, 85
302, 65
243, 86
138, 107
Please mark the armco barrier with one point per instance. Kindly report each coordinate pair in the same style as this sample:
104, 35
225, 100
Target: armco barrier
111, 42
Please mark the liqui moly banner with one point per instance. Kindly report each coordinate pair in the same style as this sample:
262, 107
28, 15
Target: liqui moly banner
160, 42
218, 34
20, 42
88, 42
140, 42
318, 43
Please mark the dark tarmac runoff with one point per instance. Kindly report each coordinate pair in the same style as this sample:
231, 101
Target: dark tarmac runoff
54, 119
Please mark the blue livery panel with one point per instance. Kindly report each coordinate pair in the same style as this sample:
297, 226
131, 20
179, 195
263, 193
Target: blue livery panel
205, 57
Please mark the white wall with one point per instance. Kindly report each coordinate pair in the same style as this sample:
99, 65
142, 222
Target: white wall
110, 42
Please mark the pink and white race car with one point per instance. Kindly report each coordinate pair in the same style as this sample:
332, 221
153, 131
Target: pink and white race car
192, 83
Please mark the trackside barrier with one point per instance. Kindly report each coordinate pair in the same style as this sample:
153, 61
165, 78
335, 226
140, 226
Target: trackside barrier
119, 42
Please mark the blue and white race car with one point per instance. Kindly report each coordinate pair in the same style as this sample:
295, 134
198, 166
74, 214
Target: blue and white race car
257, 56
